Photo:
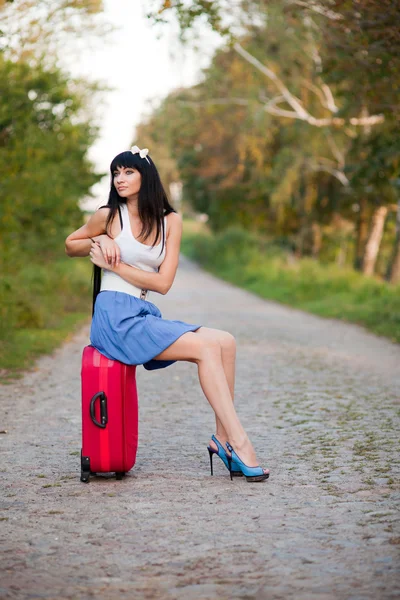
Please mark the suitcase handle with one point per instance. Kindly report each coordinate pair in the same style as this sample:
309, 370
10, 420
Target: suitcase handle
103, 410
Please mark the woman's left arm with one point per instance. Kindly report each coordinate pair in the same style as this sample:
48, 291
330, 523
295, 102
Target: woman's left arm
159, 282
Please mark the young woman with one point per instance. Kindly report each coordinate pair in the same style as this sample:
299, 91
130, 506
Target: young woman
135, 241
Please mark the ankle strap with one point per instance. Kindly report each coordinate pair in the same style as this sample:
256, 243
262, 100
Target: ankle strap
214, 439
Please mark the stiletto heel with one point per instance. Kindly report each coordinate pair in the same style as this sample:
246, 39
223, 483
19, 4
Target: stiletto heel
210, 452
221, 452
251, 473
230, 466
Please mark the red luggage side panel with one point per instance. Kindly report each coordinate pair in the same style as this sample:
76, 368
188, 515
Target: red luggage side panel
111, 447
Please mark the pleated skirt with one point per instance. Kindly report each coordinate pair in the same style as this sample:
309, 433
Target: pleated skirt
132, 331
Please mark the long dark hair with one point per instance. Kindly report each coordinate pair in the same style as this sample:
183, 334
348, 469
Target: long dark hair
153, 203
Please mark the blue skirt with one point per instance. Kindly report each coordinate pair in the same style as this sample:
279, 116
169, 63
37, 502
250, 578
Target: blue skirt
132, 331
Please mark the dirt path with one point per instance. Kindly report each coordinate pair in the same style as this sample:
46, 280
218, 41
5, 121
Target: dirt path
320, 400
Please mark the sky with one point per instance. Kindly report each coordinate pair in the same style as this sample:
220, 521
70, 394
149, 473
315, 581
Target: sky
140, 68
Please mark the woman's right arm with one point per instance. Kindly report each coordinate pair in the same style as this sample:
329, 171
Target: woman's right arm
80, 241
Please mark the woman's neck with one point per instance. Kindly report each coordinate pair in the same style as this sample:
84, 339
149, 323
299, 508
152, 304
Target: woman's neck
132, 205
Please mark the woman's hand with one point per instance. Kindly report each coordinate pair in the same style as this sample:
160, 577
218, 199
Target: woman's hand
97, 257
110, 250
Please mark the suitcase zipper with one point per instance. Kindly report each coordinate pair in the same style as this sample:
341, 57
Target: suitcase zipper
123, 371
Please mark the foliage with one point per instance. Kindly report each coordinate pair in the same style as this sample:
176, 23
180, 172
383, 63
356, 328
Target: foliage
369, 33
272, 273
39, 30
46, 130
303, 139
40, 304
43, 164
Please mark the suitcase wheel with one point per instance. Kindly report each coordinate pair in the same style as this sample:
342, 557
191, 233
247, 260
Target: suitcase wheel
120, 475
85, 468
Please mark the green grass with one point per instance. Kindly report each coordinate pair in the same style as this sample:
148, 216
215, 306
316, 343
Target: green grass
41, 306
323, 289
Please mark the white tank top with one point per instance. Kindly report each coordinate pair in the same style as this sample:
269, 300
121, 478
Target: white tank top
133, 253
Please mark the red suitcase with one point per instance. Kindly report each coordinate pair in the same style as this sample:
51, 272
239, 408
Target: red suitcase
109, 415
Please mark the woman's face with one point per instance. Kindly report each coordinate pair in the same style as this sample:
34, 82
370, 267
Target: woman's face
127, 181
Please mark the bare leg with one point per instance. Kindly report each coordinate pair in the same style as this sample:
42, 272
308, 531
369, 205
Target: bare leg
207, 355
228, 353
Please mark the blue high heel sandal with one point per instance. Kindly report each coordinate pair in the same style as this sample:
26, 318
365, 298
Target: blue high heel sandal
234, 471
251, 473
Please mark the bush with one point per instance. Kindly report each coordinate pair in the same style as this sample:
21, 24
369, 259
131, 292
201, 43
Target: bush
327, 290
39, 305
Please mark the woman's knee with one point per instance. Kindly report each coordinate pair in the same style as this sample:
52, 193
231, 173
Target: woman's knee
228, 342
225, 339
215, 341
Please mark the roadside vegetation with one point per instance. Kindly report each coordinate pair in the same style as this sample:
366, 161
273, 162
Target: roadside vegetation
273, 273
45, 132
291, 133
41, 306
289, 148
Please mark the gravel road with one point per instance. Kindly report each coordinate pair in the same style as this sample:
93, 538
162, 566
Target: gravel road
320, 400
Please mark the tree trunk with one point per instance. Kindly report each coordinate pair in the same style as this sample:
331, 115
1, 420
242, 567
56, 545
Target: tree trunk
362, 234
374, 240
342, 254
300, 238
395, 266
316, 237
394, 269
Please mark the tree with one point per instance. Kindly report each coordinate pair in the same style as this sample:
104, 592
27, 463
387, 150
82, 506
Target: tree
394, 266
43, 166
348, 100
39, 29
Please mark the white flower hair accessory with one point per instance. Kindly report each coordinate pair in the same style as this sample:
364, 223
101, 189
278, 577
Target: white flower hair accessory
142, 153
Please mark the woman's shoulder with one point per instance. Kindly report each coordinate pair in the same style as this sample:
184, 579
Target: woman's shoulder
173, 217
102, 212
100, 215
173, 222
